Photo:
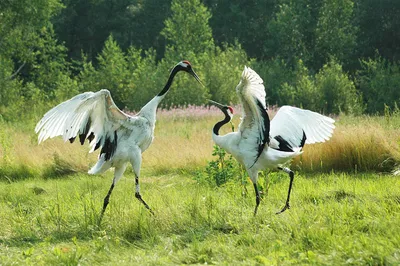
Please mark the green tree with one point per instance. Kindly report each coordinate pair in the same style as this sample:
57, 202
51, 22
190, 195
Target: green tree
145, 78
292, 31
223, 71
20, 23
330, 91
112, 73
275, 74
379, 81
335, 32
86, 25
244, 22
31, 60
187, 30
302, 91
9, 90
379, 24
49, 64
189, 37
339, 93
147, 23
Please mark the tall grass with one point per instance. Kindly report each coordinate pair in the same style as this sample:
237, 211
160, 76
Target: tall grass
183, 144
364, 145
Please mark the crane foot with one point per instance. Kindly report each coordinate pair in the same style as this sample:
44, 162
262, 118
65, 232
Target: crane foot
287, 206
139, 197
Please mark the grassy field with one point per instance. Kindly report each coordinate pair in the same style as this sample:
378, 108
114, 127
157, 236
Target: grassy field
345, 202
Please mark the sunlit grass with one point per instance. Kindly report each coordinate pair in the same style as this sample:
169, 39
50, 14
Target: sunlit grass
337, 217
334, 219
365, 146
183, 143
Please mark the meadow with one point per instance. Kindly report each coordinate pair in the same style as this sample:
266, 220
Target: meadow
345, 201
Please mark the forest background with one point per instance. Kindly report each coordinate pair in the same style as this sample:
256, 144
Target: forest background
331, 56
337, 57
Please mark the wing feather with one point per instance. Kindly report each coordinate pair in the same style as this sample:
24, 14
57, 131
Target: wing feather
90, 115
290, 123
255, 121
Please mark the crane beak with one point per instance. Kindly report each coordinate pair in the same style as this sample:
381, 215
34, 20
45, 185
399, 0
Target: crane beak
195, 76
220, 106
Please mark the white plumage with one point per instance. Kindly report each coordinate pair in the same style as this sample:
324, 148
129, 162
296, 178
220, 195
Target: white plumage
260, 143
121, 137
71, 118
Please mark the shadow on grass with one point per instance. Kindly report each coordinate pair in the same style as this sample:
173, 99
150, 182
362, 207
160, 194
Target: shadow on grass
341, 195
53, 238
337, 195
15, 173
59, 169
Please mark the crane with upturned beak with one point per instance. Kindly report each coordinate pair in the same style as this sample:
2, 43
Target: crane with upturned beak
121, 138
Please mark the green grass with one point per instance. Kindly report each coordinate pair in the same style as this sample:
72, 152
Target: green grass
335, 219
343, 211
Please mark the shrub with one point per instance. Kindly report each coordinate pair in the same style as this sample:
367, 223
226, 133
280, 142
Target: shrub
219, 171
10, 89
275, 74
330, 91
379, 81
302, 92
339, 93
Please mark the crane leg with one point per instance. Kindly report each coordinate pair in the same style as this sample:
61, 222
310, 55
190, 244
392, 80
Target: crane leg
291, 175
106, 200
139, 197
257, 198
118, 172
136, 164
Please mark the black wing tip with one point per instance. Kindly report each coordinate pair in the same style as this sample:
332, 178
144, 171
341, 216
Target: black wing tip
283, 144
265, 139
109, 147
83, 135
265, 116
303, 140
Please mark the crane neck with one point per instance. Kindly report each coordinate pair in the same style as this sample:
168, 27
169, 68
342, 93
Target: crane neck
169, 82
218, 125
149, 110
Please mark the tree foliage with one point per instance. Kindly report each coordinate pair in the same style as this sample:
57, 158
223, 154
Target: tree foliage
331, 56
379, 81
331, 91
335, 34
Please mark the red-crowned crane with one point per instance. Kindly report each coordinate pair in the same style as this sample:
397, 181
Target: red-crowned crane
260, 143
122, 137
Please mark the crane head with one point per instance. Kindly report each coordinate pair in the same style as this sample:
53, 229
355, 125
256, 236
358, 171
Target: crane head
186, 66
227, 110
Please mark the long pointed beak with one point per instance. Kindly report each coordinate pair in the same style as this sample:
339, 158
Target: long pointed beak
195, 76
220, 106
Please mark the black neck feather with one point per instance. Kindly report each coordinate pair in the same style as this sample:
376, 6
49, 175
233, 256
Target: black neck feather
169, 82
218, 125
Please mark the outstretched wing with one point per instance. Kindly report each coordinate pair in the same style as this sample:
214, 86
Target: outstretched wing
293, 127
255, 121
92, 116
